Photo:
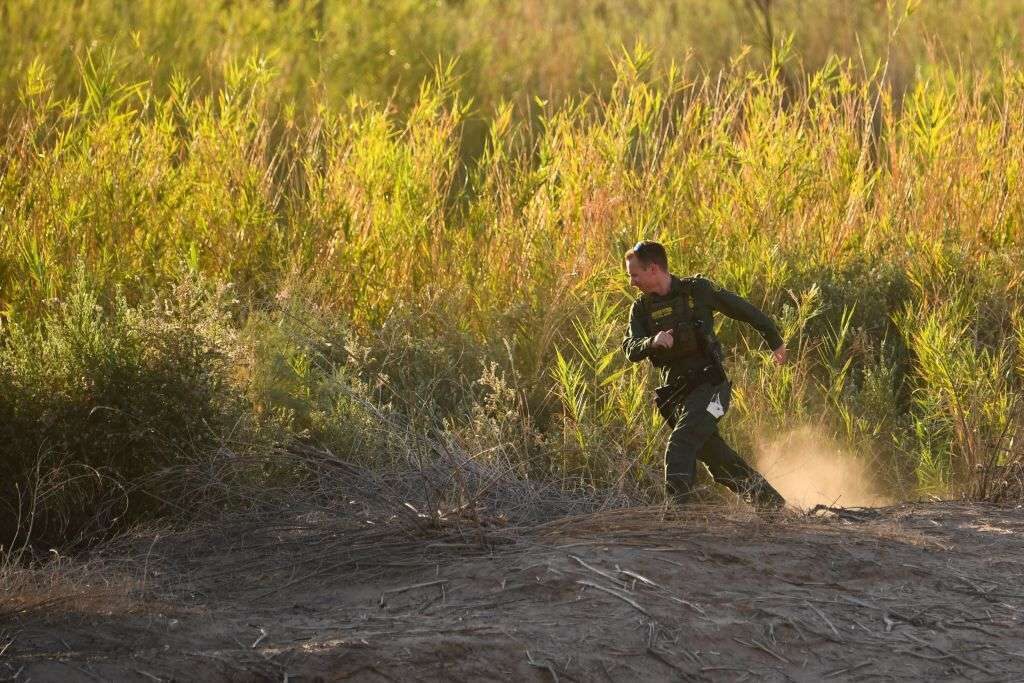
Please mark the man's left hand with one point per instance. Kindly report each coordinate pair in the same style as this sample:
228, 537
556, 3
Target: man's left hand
779, 355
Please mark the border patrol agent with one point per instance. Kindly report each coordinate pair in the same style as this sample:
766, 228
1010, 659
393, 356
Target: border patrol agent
672, 325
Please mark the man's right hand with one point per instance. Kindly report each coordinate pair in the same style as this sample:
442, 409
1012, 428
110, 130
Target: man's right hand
663, 340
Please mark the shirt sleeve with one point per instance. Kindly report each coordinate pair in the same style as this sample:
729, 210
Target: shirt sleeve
637, 342
738, 308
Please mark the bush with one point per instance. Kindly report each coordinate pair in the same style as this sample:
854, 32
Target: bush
94, 401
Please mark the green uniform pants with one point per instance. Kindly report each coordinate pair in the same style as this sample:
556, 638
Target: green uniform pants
695, 436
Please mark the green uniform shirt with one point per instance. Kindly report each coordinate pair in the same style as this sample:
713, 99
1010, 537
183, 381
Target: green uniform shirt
637, 342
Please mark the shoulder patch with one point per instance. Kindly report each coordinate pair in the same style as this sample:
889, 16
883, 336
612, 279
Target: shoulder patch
706, 283
703, 290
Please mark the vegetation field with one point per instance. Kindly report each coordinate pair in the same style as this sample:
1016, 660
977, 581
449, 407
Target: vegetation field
391, 233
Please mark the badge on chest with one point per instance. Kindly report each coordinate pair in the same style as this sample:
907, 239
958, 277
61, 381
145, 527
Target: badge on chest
660, 313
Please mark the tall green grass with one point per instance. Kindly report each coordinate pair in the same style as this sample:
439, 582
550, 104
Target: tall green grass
347, 267
331, 49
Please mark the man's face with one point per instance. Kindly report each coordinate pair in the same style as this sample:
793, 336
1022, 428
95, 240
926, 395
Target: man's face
644, 278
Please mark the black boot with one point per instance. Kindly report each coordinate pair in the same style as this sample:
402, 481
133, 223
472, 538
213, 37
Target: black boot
679, 489
764, 496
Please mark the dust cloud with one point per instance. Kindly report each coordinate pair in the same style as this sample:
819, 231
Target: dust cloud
808, 468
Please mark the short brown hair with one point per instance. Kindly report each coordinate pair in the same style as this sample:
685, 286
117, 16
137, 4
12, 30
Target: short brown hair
649, 252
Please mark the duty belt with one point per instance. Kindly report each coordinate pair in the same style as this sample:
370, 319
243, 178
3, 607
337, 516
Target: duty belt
694, 378
668, 395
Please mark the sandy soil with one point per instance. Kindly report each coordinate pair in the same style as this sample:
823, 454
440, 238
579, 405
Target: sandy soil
924, 591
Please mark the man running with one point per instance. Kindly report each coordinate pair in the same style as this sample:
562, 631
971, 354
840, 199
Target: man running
672, 325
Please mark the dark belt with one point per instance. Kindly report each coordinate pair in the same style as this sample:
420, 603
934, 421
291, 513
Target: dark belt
667, 396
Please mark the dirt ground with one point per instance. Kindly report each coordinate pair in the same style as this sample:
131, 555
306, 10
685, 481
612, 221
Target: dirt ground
917, 591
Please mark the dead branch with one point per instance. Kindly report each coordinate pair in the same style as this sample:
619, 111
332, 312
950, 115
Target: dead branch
619, 594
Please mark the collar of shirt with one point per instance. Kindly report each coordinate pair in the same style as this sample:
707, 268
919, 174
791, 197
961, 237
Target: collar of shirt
673, 291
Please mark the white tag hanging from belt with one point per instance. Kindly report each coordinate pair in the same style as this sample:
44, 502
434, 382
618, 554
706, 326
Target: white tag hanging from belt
715, 407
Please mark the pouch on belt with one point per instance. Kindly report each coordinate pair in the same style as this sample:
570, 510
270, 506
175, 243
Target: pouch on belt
667, 397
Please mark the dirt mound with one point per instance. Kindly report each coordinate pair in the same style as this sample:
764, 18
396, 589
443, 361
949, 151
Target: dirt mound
923, 591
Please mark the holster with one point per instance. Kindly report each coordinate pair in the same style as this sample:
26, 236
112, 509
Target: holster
667, 397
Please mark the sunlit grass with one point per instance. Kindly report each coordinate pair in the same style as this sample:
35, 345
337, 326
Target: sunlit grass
379, 271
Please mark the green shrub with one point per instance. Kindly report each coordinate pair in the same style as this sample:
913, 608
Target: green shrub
121, 393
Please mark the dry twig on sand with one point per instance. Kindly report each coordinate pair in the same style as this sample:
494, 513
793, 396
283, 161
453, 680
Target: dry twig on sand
425, 584
617, 593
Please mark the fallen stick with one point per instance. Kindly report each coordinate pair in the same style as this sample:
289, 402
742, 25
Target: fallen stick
689, 604
619, 594
950, 655
763, 648
963, 624
263, 634
661, 658
313, 575
542, 665
642, 579
849, 669
412, 587
597, 571
665, 559
727, 668
824, 618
